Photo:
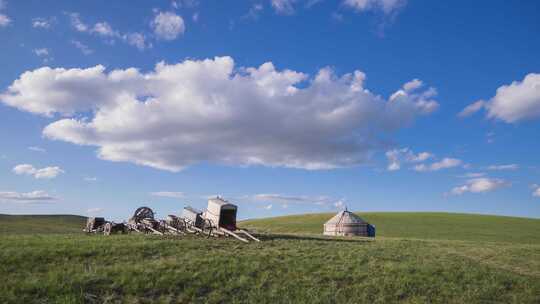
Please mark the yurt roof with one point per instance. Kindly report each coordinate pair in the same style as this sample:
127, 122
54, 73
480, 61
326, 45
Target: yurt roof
345, 217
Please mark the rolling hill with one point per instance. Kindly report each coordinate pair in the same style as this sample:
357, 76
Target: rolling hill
41, 224
419, 225
416, 258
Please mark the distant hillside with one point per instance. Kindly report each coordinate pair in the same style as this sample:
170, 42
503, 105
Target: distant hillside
29, 224
447, 226
418, 225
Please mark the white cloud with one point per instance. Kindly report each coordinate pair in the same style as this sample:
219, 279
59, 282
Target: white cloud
473, 175
445, 163
413, 85
83, 47
397, 156
254, 11
289, 199
137, 40
184, 3
168, 25
480, 185
43, 52
386, 6
536, 190
490, 137
339, 204
104, 30
169, 194
77, 23
268, 207
503, 167
515, 102
424, 103
26, 197
94, 210
284, 7
43, 173
205, 111
4, 20
472, 108
44, 23
37, 149
91, 179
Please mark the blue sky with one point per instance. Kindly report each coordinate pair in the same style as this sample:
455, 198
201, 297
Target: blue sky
279, 106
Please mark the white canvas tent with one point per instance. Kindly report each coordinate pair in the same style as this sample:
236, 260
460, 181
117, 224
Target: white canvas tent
346, 223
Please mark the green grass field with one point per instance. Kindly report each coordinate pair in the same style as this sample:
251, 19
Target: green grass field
416, 258
419, 225
41, 224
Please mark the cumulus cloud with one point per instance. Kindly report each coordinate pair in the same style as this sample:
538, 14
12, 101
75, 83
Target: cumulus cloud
43, 23
536, 190
169, 194
339, 204
168, 25
211, 111
503, 167
77, 23
515, 102
82, 47
254, 11
137, 40
290, 199
385, 6
94, 210
4, 19
472, 108
284, 7
105, 30
37, 149
268, 207
473, 175
445, 163
184, 3
480, 185
26, 197
397, 156
43, 173
43, 52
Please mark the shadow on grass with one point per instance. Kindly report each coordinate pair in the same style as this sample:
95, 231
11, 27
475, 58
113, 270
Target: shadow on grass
272, 237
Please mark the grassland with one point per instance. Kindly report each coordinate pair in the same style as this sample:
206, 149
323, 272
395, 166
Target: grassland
291, 265
419, 225
41, 224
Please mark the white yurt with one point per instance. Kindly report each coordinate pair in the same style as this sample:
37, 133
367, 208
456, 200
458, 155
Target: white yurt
346, 223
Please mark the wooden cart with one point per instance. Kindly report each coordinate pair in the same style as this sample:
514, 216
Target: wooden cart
220, 215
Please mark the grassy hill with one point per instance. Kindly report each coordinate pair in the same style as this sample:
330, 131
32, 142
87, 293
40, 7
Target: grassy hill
417, 258
420, 225
41, 224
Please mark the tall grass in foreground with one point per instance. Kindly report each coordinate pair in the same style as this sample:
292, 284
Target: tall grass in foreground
281, 269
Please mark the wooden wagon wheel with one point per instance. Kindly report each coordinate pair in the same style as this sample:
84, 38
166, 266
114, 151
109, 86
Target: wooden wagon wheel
107, 228
142, 213
207, 227
181, 224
